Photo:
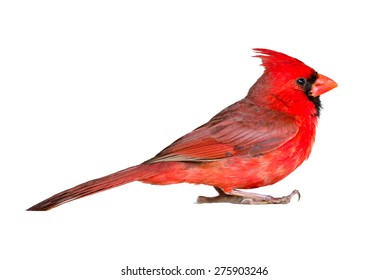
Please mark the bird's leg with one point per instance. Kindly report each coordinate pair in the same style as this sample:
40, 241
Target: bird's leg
240, 197
254, 198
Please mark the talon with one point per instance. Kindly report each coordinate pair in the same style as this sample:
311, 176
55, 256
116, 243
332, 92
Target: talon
293, 193
298, 194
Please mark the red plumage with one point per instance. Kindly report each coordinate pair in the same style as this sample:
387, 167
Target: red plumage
253, 143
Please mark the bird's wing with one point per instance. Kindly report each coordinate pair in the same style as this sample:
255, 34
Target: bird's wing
252, 132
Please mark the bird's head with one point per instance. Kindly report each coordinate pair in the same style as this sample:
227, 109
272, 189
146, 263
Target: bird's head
289, 85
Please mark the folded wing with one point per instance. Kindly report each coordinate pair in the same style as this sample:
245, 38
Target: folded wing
251, 132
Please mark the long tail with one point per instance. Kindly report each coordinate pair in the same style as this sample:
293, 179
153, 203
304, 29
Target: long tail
97, 185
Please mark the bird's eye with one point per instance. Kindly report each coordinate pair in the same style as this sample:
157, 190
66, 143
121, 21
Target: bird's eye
301, 81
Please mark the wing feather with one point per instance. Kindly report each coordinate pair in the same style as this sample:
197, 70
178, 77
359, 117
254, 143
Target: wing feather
243, 129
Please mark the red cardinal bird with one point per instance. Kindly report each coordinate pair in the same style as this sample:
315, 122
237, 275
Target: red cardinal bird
255, 142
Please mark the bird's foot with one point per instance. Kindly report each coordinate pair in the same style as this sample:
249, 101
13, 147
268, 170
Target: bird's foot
240, 197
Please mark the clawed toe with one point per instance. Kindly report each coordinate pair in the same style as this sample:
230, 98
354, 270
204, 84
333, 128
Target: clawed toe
240, 197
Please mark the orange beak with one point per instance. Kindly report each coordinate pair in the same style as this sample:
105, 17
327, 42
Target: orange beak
322, 85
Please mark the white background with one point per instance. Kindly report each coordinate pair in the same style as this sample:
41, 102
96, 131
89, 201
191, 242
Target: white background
91, 87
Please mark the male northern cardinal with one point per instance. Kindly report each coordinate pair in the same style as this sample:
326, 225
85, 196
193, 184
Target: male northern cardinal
255, 142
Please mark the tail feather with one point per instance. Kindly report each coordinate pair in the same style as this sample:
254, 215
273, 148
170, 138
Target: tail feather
97, 185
